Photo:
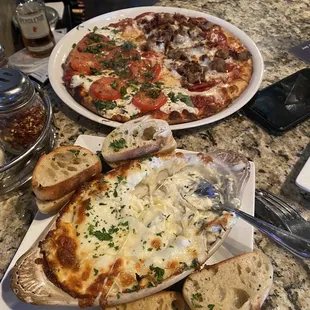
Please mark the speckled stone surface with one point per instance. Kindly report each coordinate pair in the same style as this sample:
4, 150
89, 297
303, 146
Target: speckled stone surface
275, 26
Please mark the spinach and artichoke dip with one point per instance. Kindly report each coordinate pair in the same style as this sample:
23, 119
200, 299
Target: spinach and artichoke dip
137, 226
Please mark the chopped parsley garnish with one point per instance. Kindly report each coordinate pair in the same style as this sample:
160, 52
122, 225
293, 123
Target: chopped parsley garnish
128, 45
75, 152
153, 93
133, 289
211, 306
123, 91
146, 85
158, 84
118, 64
94, 49
196, 298
181, 97
95, 29
105, 105
113, 229
96, 37
119, 179
114, 84
159, 273
149, 75
124, 224
133, 115
194, 264
117, 145
73, 45
159, 234
95, 271
115, 31
101, 235
88, 207
94, 71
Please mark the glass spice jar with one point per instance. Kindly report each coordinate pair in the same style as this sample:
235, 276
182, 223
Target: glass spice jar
22, 114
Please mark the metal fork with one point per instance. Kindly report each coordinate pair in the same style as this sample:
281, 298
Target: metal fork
275, 209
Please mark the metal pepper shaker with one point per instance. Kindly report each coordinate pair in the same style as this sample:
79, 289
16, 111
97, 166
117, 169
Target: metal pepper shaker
22, 113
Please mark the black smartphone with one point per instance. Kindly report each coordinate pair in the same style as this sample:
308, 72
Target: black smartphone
282, 105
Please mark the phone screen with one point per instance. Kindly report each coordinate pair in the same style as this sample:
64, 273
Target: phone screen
284, 103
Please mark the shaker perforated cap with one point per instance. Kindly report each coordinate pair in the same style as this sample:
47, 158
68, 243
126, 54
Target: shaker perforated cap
16, 89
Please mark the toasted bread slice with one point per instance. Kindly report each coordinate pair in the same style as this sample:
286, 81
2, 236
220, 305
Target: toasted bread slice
52, 206
242, 282
159, 301
137, 138
63, 170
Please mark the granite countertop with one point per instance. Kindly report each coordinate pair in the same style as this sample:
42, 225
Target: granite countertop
274, 27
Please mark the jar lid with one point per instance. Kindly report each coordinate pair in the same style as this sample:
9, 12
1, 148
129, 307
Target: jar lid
16, 89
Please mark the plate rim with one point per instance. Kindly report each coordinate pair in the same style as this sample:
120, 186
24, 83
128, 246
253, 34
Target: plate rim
301, 180
59, 55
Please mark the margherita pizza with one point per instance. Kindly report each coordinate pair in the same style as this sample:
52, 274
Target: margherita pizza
173, 67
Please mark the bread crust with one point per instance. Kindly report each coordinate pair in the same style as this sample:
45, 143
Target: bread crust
60, 189
52, 207
167, 300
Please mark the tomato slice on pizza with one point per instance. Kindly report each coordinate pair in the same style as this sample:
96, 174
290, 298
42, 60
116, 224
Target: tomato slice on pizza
149, 100
145, 71
107, 88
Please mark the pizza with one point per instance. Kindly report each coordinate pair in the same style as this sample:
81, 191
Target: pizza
139, 225
170, 66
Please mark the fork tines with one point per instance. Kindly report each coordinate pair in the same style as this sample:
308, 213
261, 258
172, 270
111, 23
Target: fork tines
287, 209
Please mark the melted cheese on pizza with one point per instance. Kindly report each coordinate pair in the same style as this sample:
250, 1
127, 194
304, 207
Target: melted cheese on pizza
136, 228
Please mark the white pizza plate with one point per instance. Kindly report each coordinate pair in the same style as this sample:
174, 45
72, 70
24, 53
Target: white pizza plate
303, 179
64, 46
239, 240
